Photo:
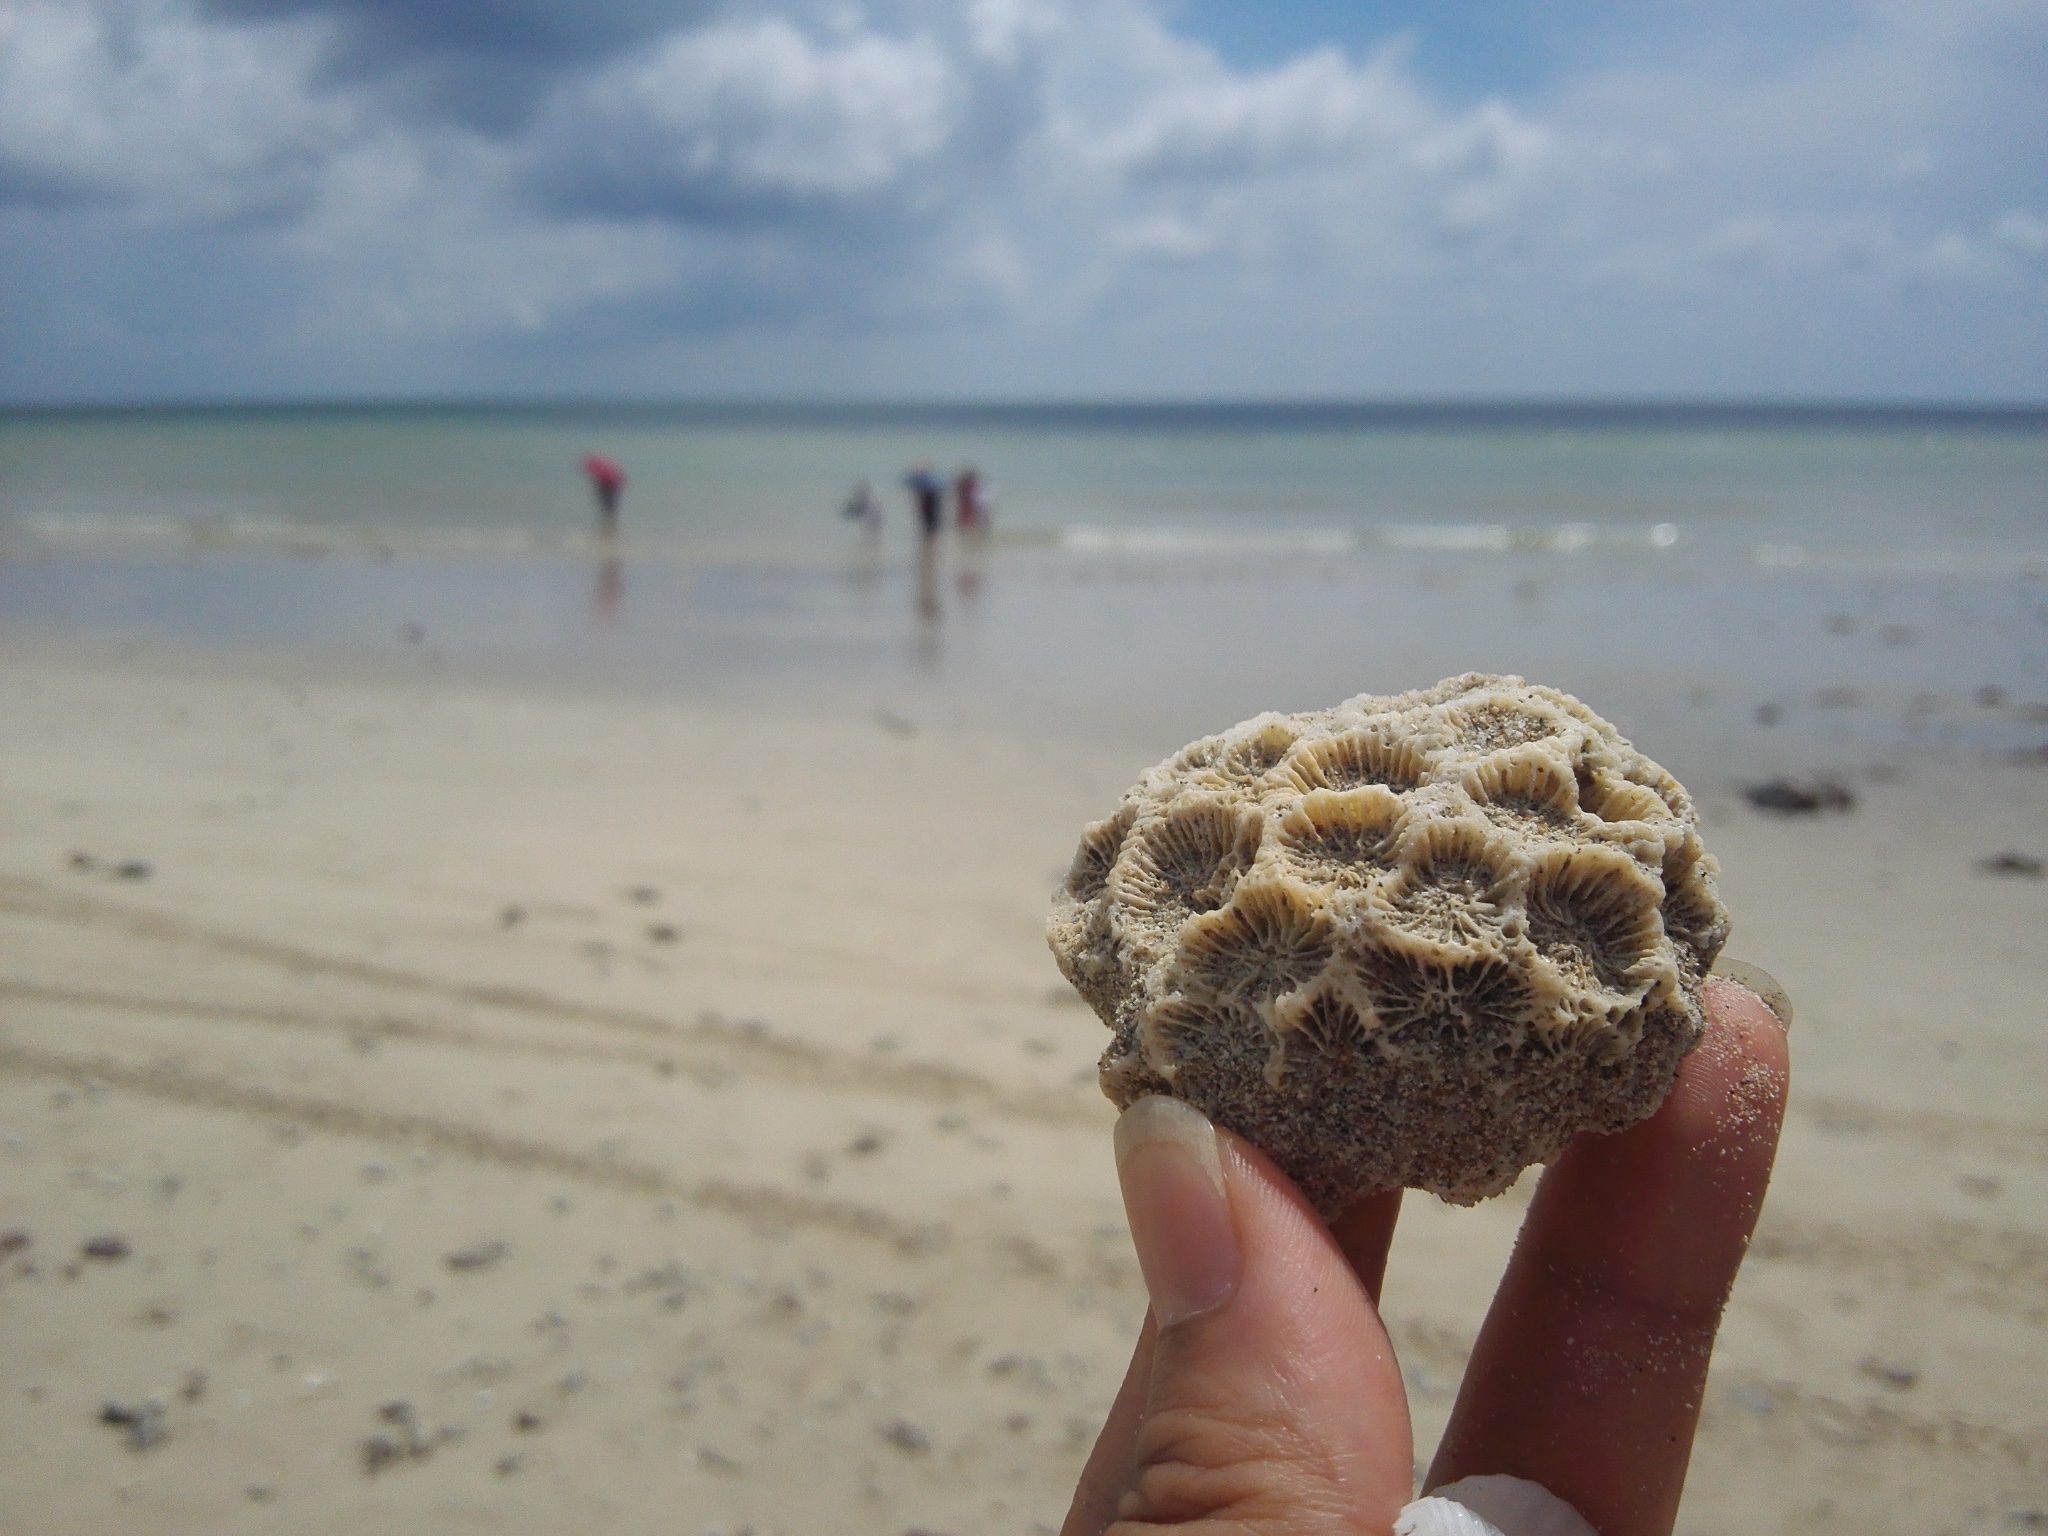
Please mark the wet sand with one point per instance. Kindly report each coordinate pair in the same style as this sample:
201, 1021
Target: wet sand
438, 1106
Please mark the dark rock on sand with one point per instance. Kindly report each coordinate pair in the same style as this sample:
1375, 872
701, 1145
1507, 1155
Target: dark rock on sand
477, 1255
107, 1248
1789, 797
907, 1438
404, 1442
1890, 1373
144, 1423
2025, 865
712, 1459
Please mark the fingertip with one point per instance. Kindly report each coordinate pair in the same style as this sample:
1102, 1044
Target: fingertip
1179, 1208
1737, 1078
1756, 981
1628, 1255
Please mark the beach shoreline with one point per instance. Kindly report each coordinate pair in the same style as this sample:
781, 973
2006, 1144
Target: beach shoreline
659, 1096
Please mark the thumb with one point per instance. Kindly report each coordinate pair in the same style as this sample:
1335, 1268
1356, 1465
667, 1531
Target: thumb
1271, 1400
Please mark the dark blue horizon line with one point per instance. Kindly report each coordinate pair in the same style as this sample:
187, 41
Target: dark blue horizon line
1448, 413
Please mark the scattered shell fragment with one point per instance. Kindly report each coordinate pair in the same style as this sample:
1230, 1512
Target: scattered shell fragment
1415, 941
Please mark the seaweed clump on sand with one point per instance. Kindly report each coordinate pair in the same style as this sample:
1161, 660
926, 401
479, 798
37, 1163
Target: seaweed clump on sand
1419, 941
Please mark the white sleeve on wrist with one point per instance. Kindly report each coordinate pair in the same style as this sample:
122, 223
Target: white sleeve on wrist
1494, 1505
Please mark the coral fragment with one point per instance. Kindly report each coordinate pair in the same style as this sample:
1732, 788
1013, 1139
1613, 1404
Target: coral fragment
1421, 940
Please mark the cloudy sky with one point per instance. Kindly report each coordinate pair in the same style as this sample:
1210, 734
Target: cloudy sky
1023, 198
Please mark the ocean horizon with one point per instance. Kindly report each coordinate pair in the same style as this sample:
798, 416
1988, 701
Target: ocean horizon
1304, 413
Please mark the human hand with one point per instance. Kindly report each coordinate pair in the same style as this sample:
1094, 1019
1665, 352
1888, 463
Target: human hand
1264, 1395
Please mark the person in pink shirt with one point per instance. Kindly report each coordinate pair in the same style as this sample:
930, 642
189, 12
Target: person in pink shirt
970, 508
607, 480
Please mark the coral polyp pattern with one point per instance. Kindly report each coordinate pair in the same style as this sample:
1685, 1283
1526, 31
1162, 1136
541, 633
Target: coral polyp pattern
1418, 941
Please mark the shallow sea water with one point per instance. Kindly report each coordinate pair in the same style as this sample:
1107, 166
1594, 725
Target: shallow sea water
1791, 590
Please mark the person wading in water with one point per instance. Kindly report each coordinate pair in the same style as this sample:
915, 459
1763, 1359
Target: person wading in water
607, 480
927, 494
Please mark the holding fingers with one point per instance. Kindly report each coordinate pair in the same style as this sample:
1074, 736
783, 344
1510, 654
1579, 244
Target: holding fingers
1264, 1394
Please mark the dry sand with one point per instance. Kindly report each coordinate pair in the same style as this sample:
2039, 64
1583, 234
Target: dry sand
504, 1112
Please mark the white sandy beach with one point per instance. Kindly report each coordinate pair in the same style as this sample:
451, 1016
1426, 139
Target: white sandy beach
520, 1113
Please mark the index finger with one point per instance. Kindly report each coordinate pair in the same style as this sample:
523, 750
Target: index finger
1588, 1372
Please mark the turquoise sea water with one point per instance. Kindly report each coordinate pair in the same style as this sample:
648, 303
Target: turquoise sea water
1804, 588
766, 480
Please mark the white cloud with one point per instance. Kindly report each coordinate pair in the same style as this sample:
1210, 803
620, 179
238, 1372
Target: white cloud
1205, 122
1076, 188
145, 105
415, 240
1000, 31
2022, 232
1163, 235
762, 108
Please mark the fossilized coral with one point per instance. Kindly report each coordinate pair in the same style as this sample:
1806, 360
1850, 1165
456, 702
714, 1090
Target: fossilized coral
1420, 940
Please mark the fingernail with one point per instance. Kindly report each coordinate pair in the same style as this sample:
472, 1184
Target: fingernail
1171, 1170
1760, 982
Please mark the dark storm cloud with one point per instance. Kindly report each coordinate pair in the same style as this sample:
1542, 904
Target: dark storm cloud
486, 64
553, 33
46, 191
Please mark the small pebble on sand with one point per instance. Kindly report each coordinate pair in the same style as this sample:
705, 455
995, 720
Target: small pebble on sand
907, 1437
1789, 797
144, 1423
477, 1255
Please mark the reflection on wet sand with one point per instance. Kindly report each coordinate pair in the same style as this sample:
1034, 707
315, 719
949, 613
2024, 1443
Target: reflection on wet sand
864, 563
608, 600
928, 606
925, 648
967, 579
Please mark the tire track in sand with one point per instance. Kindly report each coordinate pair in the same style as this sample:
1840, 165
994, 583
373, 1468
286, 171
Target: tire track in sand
784, 1057
1938, 1130
168, 1084
1997, 1269
1742, 1403
365, 1029
1746, 1404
